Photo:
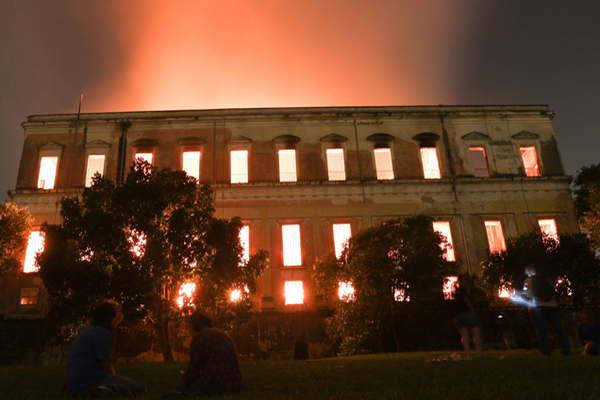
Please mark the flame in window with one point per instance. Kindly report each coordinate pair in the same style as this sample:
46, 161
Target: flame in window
293, 292
137, 243
236, 295
35, 245
346, 291
47, 173
449, 287
185, 294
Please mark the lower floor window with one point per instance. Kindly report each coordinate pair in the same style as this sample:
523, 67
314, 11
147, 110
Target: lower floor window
293, 292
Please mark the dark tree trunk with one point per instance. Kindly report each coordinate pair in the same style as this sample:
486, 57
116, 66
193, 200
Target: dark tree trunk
164, 339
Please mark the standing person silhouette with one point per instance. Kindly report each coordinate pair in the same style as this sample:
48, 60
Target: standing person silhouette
466, 319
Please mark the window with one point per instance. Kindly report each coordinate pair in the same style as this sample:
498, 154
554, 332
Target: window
190, 163
346, 291
401, 292
443, 228
341, 235
292, 255
47, 173
35, 245
548, 228
383, 163
144, 157
336, 168
95, 164
245, 242
495, 236
431, 165
530, 161
29, 296
287, 165
293, 292
239, 166
449, 287
478, 161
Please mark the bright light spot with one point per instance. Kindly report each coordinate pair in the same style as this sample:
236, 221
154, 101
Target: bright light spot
431, 165
383, 163
236, 295
35, 245
292, 255
478, 161
137, 243
449, 287
336, 168
185, 294
190, 163
346, 291
505, 290
287, 165
548, 228
245, 242
443, 228
95, 164
341, 235
145, 157
495, 236
47, 173
564, 284
293, 292
239, 166
530, 161
401, 293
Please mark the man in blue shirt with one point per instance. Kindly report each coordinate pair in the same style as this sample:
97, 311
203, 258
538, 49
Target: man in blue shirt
90, 368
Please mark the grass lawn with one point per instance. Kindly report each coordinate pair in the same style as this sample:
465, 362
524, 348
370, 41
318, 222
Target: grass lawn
494, 375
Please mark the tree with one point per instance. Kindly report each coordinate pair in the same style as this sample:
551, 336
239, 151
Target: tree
396, 260
587, 179
569, 262
590, 220
138, 243
15, 223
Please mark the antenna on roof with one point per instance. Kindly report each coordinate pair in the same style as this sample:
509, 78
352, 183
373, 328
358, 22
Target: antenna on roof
79, 108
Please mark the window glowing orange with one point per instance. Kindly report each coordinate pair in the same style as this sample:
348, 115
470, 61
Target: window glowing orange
341, 235
137, 243
47, 172
548, 228
293, 292
190, 163
449, 287
239, 166
478, 161
346, 291
336, 168
401, 293
245, 242
35, 245
495, 236
443, 228
287, 165
431, 165
530, 161
29, 296
505, 290
185, 294
145, 157
383, 163
95, 164
292, 254
236, 295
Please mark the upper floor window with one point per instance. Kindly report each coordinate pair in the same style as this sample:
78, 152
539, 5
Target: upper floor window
430, 162
292, 253
530, 160
145, 156
443, 228
245, 242
95, 165
287, 165
293, 292
336, 167
35, 245
47, 172
239, 166
495, 236
548, 228
478, 161
190, 163
341, 235
383, 163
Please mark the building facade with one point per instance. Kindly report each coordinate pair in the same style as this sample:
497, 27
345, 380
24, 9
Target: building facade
304, 179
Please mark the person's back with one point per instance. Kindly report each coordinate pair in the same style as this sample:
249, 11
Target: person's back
92, 346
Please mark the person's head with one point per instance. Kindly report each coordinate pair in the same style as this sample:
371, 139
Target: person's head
530, 270
107, 313
200, 321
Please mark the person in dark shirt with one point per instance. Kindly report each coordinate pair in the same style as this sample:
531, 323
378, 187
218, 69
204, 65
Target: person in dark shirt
90, 368
214, 367
466, 319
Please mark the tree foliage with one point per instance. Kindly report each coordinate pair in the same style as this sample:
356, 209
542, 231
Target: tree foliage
587, 179
137, 243
15, 223
568, 261
397, 254
590, 221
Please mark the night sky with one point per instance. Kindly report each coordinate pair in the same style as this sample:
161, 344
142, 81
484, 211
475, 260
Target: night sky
144, 55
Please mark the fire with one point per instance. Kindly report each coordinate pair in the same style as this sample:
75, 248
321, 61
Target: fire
505, 290
400, 293
185, 294
137, 242
346, 291
449, 287
236, 294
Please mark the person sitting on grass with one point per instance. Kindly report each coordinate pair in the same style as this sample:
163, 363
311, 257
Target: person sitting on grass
214, 367
90, 369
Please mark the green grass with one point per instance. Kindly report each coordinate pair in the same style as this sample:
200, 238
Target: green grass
494, 375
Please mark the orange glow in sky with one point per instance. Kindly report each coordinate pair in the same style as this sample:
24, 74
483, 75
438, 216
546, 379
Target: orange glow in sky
205, 54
